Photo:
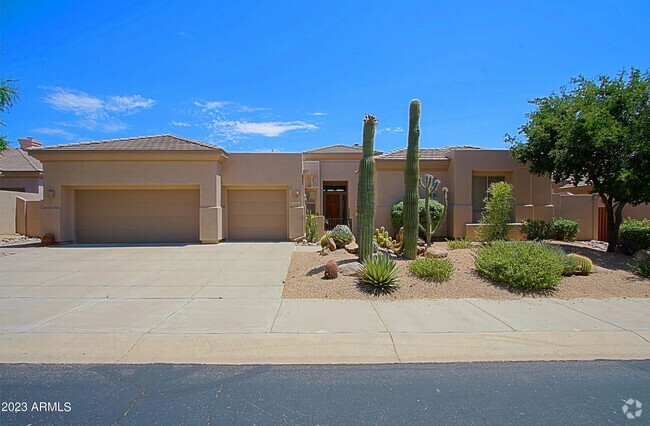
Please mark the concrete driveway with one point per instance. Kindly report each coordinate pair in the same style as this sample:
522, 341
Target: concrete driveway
229, 287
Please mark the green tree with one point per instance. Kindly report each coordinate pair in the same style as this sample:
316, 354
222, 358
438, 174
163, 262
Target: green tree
8, 96
596, 131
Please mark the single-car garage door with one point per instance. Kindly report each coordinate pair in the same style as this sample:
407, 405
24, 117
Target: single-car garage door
259, 214
137, 215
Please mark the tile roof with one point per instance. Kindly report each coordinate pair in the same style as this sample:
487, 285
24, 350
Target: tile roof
17, 160
425, 153
339, 149
140, 143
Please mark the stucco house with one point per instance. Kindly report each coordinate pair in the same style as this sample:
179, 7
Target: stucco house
19, 172
167, 188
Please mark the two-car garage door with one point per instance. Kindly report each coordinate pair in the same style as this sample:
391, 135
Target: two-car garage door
137, 215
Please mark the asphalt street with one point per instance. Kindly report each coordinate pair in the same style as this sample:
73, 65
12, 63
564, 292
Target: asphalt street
462, 393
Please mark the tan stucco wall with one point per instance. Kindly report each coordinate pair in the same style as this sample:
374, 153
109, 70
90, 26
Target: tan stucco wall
532, 193
582, 208
271, 171
8, 209
32, 184
127, 171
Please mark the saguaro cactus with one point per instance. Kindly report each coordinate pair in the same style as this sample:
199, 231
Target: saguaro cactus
430, 186
366, 190
411, 174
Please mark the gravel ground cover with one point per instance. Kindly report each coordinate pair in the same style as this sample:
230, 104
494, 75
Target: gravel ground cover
611, 277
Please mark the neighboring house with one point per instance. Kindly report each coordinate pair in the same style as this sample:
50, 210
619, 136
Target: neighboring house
170, 189
18, 171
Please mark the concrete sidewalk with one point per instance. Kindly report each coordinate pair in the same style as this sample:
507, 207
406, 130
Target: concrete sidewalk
275, 331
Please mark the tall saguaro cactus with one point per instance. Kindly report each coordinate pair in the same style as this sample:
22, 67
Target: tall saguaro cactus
430, 186
411, 175
366, 189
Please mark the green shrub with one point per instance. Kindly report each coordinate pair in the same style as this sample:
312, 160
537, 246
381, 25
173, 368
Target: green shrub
535, 230
520, 264
459, 243
397, 215
634, 235
564, 229
379, 274
643, 268
432, 269
342, 235
496, 215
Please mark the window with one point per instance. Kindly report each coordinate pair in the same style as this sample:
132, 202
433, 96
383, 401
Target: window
480, 185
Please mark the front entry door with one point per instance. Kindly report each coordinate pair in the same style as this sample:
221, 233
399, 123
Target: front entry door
333, 206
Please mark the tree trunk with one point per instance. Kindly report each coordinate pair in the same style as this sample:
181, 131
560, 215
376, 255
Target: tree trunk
614, 220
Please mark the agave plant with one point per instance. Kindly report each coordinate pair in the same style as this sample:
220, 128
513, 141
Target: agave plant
379, 274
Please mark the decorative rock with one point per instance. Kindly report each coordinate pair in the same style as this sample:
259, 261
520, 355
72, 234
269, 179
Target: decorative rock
352, 248
436, 253
331, 245
324, 252
421, 250
421, 242
47, 239
350, 269
400, 235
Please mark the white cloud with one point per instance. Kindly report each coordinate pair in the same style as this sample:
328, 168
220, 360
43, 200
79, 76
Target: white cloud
212, 105
268, 150
180, 124
96, 113
246, 108
269, 129
391, 130
54, 132
317, 114
183, 34
79, 103
128, 104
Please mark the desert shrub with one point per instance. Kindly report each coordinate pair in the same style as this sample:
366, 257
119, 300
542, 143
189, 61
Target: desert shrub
535, 230
564, 229
459, 243
642, 268
397, 215
331, 270
432, 269
520, 264
634, 235
379, 274
496, 216
342, 235
311, 227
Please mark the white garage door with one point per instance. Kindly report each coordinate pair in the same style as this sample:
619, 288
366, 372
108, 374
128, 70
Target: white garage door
257, 214
137, 215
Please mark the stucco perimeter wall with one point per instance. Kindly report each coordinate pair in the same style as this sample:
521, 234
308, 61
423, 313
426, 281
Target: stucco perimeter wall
389, 189
12, 212
64, 173
582, 208
267, 171
533, 197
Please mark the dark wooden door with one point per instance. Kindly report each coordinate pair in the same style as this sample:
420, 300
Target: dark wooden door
333, 206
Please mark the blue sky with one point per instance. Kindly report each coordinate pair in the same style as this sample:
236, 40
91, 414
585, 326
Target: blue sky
296, 75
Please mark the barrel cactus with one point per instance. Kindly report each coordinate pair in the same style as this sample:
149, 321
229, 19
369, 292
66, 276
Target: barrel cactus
342, 235
583, 263
324, 239
411, 174
366, 189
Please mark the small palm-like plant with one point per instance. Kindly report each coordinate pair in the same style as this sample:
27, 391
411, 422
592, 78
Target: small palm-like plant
379, 274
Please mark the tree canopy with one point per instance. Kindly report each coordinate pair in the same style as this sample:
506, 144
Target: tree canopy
8, 96
596, 131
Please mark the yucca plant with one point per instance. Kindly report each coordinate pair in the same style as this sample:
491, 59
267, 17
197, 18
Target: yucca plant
379, 274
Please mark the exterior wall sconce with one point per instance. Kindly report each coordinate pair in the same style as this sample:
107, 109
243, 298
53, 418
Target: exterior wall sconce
296, 193
51, 194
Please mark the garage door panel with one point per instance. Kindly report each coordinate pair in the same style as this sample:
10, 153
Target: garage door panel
131, 215
257, 215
